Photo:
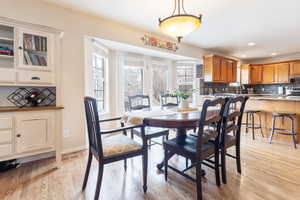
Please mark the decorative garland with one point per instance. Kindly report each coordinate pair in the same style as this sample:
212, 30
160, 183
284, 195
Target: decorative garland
155, 42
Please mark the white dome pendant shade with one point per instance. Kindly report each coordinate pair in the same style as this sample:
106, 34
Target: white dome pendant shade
179, 25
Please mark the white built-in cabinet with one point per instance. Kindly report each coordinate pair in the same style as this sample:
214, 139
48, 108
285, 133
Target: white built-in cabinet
27, 133
34, 132
32, 61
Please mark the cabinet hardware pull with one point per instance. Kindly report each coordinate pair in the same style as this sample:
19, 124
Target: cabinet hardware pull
35, 78
20, 47
18, 135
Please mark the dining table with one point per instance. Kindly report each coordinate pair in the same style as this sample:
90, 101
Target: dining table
169, 117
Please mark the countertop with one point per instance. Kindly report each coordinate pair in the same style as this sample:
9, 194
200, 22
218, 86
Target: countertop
17, 109
272, 97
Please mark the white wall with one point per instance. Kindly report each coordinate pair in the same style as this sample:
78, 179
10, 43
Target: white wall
75, 26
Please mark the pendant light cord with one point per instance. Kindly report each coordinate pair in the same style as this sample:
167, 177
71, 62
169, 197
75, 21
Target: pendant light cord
178, 6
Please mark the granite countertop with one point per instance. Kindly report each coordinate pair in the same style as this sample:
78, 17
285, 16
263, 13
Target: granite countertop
273, 97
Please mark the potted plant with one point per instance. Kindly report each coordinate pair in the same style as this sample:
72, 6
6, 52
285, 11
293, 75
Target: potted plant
183, 96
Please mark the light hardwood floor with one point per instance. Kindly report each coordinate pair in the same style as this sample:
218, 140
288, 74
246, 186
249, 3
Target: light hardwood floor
268, 172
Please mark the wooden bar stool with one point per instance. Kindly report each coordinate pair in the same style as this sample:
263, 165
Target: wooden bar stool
252, 125
283, 131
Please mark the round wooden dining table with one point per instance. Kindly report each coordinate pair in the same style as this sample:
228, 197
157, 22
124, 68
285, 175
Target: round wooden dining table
181, 121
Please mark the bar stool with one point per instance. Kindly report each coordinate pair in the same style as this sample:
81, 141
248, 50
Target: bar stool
252, 125
283, 131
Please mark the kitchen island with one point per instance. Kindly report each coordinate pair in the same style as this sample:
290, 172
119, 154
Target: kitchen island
269, 104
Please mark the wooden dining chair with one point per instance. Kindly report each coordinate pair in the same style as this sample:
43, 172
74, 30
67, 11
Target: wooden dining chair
231, 132
142, 102
198, 148
168, 100
107, 148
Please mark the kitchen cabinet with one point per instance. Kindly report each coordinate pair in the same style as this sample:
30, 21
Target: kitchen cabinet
268, 74
219, 69
256, 74
282, 73
295, 68
34, 132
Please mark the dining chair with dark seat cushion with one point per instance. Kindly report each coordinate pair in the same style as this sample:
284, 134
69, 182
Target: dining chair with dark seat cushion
197, 149
107, 146
142, 102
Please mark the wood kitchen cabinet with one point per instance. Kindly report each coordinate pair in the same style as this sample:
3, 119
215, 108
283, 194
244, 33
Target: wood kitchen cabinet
256, 73
282, 73
219, 69
295, 68
268, 74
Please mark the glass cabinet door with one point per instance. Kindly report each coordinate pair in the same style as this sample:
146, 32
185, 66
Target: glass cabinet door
34, 50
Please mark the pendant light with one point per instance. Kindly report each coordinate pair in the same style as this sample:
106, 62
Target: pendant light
179, 24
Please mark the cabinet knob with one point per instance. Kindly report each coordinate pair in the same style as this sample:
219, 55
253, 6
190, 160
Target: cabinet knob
35, 78
18, 135
20, 47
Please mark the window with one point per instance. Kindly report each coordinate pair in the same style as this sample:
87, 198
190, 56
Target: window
133, 82
159, 83
185, 77
98, 80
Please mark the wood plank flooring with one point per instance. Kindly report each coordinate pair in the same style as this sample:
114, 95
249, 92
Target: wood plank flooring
270, 172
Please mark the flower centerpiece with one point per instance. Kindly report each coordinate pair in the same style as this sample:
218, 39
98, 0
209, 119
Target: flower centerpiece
183, 96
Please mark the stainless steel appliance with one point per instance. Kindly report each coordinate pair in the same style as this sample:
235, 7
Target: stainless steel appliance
295, 91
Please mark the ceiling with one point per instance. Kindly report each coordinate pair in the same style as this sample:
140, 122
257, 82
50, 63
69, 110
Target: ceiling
228, 25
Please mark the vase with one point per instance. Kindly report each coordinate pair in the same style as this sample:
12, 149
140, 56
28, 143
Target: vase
184, 104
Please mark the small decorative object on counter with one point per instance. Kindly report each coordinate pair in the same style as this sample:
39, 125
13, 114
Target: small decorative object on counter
184, 104
23, 97
34, 97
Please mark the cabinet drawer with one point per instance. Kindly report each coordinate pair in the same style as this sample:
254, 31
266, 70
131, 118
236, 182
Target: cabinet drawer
5, 123
7, 76
5, 136
35, 77
5, 150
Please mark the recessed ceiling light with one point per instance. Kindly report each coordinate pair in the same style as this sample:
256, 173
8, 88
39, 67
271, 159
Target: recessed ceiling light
243, 56
251, 44
273, 54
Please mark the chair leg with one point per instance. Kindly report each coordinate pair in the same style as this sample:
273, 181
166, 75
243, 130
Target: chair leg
145, 170
131, 134
149, 143
166, 165
252, 125
261, 130
223, 165
186, 162
247, 120
238, 158
217, 169
87, 171
293, 132
272, 131
125, 164
99, 181
167, 136
198, 180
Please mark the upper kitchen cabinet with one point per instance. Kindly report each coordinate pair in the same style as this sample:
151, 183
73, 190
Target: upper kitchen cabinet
219, 69
256, 74
268, 73
282, 73
35, 50
295, 68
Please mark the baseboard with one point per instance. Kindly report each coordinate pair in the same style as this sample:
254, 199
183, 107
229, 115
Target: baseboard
49, 155
75, 149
